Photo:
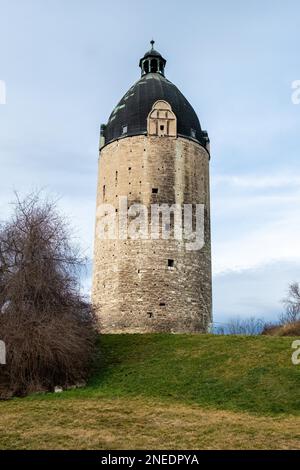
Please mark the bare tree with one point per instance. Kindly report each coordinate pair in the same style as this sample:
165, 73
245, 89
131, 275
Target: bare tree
47, 326
292, 304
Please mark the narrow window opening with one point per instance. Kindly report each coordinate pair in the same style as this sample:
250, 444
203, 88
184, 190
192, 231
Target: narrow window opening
162, 304
150, 314
162, 128
154, 190
153, 65
170, 263
104, 191
116, 179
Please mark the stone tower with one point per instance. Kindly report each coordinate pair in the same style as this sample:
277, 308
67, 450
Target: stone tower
153, 153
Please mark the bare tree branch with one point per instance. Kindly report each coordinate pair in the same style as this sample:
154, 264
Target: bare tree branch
48, 327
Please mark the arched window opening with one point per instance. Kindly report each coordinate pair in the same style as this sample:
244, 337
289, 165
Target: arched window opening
153, 65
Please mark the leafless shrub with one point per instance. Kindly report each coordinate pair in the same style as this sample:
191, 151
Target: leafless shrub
218, 330
241, 326
46, 324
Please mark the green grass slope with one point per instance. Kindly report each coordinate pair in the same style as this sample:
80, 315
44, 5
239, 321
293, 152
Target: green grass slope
253, 374
169, 392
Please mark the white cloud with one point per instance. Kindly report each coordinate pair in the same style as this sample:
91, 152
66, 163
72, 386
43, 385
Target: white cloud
258, 181
257, 228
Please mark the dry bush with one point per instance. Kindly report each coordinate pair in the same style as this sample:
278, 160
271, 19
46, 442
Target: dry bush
47, 325
288, 329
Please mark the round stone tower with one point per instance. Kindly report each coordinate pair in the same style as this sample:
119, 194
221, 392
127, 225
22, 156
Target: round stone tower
150, 275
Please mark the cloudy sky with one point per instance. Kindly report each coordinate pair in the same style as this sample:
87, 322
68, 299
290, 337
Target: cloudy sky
66, 64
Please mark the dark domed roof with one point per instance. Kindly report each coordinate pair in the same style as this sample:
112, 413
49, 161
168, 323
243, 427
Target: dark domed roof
152, 52
130, 115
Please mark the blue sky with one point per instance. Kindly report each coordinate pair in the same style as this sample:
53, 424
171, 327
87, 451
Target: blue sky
66, 64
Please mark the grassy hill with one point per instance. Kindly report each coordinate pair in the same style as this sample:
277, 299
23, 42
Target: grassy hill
169, 391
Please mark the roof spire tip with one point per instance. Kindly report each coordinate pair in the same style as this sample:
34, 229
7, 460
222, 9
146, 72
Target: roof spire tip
152, 42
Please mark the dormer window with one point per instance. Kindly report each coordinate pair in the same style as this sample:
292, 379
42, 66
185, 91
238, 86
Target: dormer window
124, 129
193, 133
161, 120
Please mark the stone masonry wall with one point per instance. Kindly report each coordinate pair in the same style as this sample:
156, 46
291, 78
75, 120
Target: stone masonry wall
134, 289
